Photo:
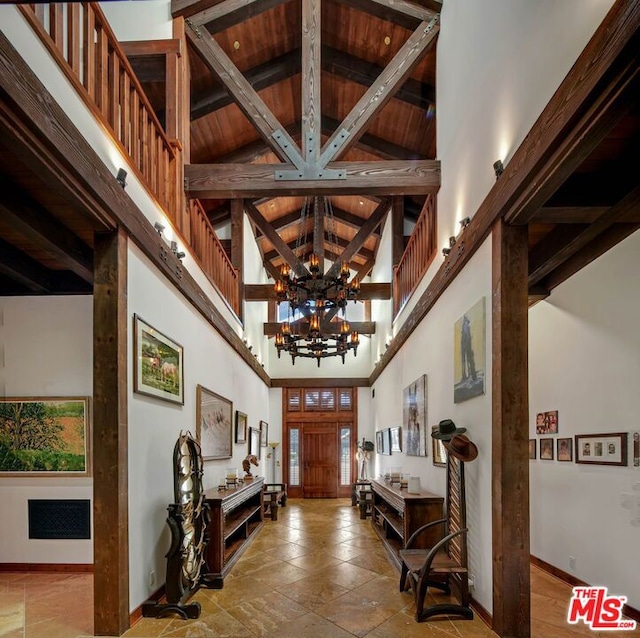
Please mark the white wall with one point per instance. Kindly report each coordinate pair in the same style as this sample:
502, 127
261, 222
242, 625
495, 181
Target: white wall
499, 62
144, 20
429, 351
47, 344
584, 361
154, 424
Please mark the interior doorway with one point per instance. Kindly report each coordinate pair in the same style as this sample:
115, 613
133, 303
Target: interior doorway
320, 441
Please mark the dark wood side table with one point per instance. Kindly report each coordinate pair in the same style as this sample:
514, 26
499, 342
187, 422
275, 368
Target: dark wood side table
275, 495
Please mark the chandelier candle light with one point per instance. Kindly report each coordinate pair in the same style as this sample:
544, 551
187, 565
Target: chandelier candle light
319, 297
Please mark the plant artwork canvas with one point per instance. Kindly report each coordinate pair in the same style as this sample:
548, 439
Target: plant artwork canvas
214, 416
158, 364
45, 436
414, 417
469, 344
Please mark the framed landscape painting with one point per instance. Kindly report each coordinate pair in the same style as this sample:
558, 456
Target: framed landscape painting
214, 416
45, 436
158, 364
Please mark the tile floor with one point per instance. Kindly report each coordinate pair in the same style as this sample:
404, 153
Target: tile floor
318, 572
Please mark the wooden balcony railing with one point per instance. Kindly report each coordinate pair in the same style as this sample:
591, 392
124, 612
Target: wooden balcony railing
417, 257
212, 257
80, 39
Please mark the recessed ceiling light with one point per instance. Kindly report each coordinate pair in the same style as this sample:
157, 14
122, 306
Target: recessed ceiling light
236, 45
361, 202
272, 205
387, 40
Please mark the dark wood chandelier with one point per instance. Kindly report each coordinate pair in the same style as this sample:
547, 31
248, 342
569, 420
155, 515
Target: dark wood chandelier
318, 296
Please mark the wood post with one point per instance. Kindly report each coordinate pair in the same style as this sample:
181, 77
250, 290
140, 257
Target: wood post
237, 247
510, 434
110, 454
397, 229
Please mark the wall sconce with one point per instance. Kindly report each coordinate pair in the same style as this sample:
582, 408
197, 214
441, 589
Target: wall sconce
464, 222
174, 247
446, 251
498, 168
159, 227
121, 177
452, 241
181, 255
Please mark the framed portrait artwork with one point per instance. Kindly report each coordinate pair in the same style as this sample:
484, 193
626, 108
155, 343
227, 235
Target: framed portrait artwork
532, 449
241, 427
45, 436
602, 449
469, 346
547, 422
565, 449
158, 363
254, 441
438, 449
414, 417
264, 434
396, 439
546, 449
214, 416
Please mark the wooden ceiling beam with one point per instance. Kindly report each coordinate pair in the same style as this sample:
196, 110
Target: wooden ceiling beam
267, 229
247, 99
35, 224
366, 73
590, 128
265, 292
356, 244
217, 15
148, 58
271, 329
373, 144
293, 244
259, 77
26, 271
311, 73
333, 61
378, 94
250, 181
590, 252
220, 214
365, 270
352, 220
566, 240
395, 12
568, 214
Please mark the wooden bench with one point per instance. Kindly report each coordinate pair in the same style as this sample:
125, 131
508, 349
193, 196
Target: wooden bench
275, 495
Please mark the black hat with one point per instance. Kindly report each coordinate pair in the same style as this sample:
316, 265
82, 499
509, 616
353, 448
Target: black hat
446, 430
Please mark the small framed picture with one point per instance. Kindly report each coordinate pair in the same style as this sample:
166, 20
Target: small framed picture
602, 449
396, 439
254, 442
546, 449
438, 449
547, 422
532, 449
264, 434
565, 449
241, 427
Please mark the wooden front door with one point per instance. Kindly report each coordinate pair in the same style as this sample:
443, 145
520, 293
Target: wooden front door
320, 460
319, 442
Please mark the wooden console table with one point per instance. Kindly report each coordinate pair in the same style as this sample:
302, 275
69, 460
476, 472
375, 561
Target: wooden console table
397, 514
236, 515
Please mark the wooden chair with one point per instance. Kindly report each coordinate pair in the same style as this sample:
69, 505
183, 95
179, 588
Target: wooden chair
443, 566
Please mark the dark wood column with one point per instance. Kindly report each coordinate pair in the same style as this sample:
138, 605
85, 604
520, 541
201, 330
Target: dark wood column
510, 435
237, 245
110, 456
397, 229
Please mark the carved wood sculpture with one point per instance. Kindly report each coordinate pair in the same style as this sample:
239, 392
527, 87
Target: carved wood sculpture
188, 521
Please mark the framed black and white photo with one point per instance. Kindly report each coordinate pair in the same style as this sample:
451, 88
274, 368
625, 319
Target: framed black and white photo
602, 449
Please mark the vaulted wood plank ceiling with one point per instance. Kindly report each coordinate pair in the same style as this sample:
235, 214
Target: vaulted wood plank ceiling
588, 201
